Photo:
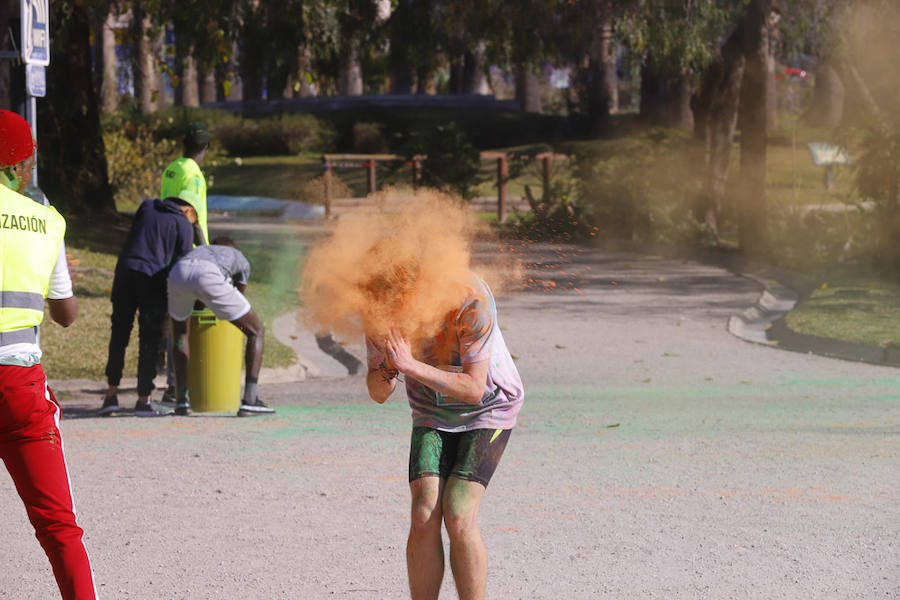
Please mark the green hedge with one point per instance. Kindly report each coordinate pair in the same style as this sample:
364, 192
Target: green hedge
232, 134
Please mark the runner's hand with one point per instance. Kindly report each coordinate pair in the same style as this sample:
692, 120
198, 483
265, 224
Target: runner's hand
399, 351
381, 348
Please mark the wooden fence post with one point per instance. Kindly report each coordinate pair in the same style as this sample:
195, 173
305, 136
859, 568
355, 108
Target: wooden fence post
370, 176
326, 177
502, 176
547, 172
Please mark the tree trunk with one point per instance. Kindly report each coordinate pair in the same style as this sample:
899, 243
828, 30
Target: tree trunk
148, 73
250, 66
680, 113
752, 224
350, 79
207, 84
528, 90
382, 10
72, 157
827, 109
110, 84
654, 101
304, 70
666, 100
475, 71
603, 95
771, 90
189, 86
234, 85
457, 66
401, 75
423, 73
400, 28
715, 121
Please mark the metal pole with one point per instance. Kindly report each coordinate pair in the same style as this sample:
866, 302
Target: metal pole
31, 110
502, 176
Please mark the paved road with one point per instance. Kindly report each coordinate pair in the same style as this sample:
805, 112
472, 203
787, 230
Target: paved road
657, 456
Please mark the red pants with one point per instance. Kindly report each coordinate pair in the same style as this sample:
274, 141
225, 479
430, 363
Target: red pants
32, 449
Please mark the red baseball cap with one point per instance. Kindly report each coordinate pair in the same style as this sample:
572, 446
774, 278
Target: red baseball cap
16, 141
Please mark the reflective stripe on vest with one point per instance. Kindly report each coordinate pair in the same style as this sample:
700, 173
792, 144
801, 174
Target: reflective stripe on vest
30, 238
21, 300
19, 336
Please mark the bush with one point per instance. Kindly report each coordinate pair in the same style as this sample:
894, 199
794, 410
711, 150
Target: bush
368, 138
270, 136
640, 189
232, 134
136, 160
451, 163
313, 190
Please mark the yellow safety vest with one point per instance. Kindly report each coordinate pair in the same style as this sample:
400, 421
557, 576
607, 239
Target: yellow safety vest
30, 238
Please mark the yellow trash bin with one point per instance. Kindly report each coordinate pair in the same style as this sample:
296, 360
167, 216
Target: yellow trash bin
214, 369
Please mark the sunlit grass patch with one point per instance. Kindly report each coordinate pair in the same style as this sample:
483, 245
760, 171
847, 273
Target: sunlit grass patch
854, 309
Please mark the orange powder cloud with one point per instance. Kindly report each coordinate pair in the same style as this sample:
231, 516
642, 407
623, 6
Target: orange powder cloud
402, 263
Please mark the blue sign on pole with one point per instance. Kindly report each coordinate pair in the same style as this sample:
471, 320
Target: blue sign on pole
36, 32
36, 80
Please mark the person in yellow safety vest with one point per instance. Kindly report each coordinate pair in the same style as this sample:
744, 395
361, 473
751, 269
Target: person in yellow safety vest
33, 267
184, 173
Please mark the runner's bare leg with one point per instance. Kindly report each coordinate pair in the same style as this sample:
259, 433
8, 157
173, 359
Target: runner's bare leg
424, 548
468, 556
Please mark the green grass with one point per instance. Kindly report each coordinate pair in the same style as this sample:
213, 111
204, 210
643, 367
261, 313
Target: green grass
853, 308
79, 352
269, 176
291, 177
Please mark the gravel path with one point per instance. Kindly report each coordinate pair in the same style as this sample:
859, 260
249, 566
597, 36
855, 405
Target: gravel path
657, 456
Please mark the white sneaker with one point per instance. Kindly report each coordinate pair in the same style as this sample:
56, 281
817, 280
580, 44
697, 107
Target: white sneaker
257, 407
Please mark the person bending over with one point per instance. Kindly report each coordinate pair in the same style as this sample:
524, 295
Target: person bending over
216, 275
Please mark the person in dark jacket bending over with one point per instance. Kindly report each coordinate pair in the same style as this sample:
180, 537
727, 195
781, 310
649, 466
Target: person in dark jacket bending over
161, 233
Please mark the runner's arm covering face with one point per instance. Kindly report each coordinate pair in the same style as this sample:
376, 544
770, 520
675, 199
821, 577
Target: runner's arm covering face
467, 386
381, 378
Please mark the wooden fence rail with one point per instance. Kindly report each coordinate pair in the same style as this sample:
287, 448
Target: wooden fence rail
370, 161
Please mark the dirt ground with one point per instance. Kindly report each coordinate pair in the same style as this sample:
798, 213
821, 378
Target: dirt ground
656, 456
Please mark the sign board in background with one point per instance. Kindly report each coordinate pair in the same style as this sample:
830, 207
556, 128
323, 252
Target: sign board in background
36, 80
826, 155
35, 32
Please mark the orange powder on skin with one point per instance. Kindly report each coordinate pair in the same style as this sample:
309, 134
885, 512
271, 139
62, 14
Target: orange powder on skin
402, 264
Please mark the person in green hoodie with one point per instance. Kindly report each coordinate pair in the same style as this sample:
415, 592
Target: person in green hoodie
184, 173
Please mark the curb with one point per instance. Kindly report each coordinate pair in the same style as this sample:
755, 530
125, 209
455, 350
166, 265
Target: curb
765, 323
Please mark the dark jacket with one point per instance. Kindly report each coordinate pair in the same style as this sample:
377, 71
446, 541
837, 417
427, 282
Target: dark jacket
160, 235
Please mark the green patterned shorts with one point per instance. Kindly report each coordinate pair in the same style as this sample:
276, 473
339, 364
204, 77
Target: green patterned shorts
470, 455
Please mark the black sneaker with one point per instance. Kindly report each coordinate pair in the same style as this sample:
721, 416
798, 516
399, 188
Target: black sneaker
183, 408
110, 405
146, 409
257, 407
168, 396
